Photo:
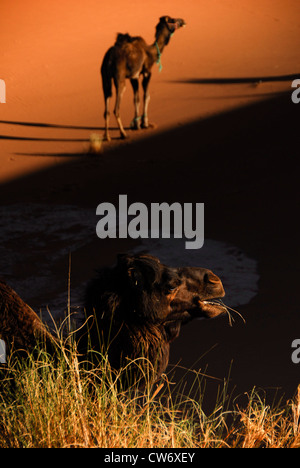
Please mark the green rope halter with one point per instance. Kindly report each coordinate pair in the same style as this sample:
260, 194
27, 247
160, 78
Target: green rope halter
159, 57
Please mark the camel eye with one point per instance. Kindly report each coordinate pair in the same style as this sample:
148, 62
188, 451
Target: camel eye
171, 289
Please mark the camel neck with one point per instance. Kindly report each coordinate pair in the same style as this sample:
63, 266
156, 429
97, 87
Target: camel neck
158, 61
162, 40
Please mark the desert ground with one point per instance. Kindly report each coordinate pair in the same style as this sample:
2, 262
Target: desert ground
225, 132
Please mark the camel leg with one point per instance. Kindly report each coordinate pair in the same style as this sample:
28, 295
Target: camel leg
120, 87
145, 84
107, 90
106, 117
135, 124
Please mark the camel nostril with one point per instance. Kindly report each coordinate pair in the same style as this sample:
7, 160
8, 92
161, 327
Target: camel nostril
211, 278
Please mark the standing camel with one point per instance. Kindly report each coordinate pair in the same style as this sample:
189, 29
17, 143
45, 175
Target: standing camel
129, 58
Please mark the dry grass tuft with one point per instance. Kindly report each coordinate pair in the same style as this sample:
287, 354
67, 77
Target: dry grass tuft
46, 402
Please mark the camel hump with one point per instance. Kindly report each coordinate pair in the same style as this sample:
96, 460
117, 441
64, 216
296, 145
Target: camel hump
123, 38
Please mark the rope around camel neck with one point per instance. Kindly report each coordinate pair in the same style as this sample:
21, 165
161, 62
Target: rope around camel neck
158, 61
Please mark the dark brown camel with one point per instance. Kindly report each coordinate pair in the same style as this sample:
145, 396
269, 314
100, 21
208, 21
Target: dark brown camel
136, 310
129, 58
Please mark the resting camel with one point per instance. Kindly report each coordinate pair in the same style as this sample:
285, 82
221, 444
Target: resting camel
129, 58
136, 309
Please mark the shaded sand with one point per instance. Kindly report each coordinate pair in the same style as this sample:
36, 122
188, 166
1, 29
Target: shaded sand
226, 135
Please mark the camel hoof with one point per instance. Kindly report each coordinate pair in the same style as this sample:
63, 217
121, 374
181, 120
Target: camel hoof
135, 124
123, 136
150, 125
136, 127
146, 124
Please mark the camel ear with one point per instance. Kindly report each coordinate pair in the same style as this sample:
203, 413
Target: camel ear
139, 272
136, 279
143, 273
164, 19
130, 271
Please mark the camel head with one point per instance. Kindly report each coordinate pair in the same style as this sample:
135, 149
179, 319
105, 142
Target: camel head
168, 26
